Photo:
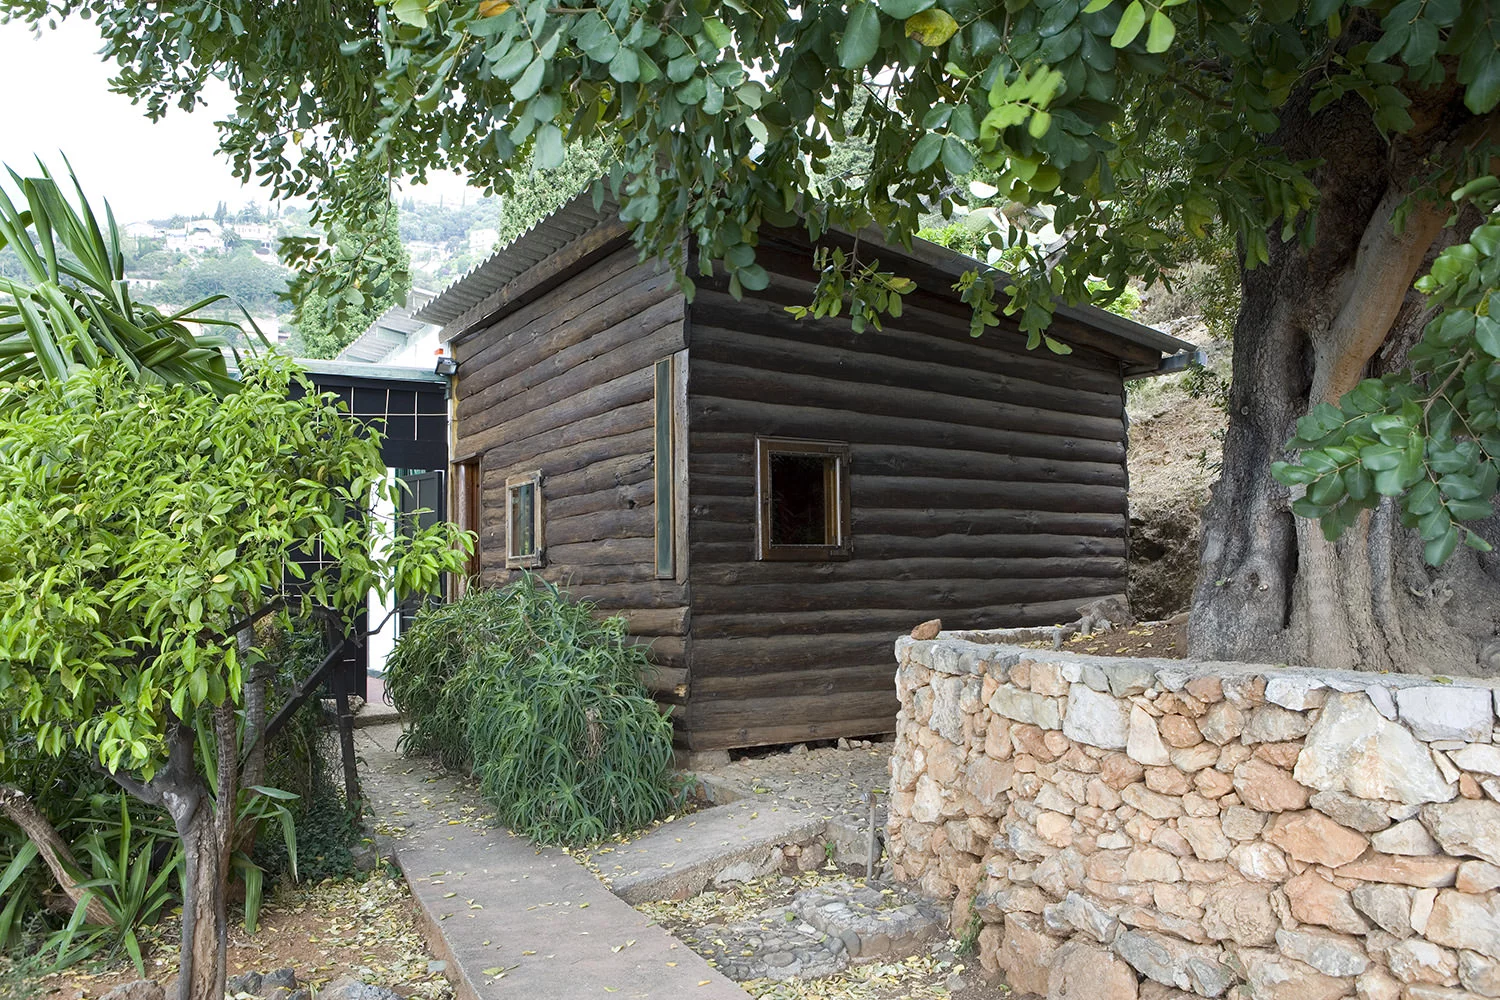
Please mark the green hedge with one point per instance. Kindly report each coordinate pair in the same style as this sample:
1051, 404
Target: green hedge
543, 702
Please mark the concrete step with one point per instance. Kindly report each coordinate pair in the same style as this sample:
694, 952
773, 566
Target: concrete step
728, 843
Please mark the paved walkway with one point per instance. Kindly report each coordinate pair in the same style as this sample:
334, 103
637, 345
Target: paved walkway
511, 920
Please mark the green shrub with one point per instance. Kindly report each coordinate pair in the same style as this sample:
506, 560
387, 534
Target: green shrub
544, 703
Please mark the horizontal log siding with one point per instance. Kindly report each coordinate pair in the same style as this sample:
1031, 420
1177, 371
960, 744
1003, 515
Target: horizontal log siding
987, 484
564, 384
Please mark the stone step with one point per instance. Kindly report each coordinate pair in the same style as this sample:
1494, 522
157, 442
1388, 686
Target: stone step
729, 843
821, 931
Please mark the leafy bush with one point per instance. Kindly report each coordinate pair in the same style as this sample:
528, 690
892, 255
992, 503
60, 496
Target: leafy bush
544, 703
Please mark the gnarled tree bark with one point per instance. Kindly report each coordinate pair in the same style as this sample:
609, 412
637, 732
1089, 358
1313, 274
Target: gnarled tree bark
1312, 323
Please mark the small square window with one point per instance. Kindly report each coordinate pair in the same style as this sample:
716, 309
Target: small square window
803, 493
523, 521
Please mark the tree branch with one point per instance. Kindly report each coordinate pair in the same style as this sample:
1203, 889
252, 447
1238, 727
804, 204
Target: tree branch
54, 852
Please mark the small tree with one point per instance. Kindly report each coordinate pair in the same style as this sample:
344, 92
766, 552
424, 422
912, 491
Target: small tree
145, 528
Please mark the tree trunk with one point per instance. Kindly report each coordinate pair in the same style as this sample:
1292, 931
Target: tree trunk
1312, 323
204, 908
54, 851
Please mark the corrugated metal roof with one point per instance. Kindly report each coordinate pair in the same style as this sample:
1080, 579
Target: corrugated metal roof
579, 216
541, 241
389, 331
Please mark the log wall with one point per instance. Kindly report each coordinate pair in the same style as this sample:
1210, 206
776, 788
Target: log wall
564, 384
988, 488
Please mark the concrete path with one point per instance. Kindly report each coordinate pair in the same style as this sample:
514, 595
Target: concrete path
511, 920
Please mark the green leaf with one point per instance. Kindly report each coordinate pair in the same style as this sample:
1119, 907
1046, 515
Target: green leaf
625, 66
531, 80
1040, 122
1487, 335
717, 32
931, 27
1095, 6
1131, 23
549, 147
903, 9
412, 12
1162, 32
925, 153
1483, 91
956, 157
1437, 551
861, 37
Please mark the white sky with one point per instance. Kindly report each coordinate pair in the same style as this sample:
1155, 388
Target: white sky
57, 98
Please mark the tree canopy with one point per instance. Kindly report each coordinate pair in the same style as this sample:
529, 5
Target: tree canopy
1222, 116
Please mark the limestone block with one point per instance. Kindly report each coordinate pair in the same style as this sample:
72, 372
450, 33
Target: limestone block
1274, 976
1447, 712
1479, 973
1172, 842
1195, 758
1331, 954
1144, 743
1078, 912
1421, 909
1242, 822
1274, 724
1118, 770
1083, 971
1212, 783
1147, 918
1198, 968
1242, 914
1351, 811
1377, 985
1260, 862
1311, 836
1168, 781
1024, 706
1466, 827
1296, 692
1205, 835
927, 804
1419, 872
1245, 691
1025, 953
1096, 719
1477, 876
1223, 722
1481, 757
1156, 806
1467, 921
1315, 900
1353, 748
1268, 788
1410, 838
1418, 961
947, 716
1206, 689
1127, 677
1150, 864
1179, 731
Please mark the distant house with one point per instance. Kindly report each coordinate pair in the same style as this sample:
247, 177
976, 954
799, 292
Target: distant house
482, 241
769, 502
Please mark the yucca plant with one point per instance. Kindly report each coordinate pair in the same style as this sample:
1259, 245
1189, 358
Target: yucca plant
543, 702
74, 307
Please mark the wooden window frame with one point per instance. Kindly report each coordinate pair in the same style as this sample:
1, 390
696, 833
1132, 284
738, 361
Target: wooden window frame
836, 495
669, 465
468, 514
537, 556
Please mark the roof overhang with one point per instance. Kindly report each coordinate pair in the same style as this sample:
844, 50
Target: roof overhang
579, 230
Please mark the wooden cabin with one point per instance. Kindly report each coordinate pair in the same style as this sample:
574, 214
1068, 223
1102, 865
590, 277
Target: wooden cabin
770, 502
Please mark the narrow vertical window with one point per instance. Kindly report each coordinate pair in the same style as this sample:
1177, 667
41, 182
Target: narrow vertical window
523, 521
803, 493
466, 500
665, 467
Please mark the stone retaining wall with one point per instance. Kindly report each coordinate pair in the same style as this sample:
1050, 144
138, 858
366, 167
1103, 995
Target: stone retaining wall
1130, 828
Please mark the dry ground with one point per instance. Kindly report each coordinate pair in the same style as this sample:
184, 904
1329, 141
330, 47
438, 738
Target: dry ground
365, 929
